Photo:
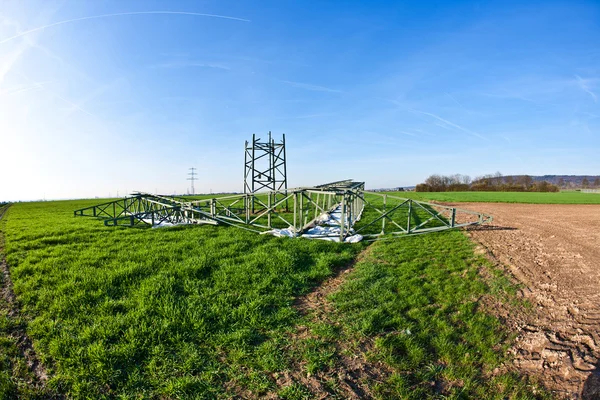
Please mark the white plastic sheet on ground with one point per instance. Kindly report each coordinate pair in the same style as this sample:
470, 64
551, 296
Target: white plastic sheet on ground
166, 224
327, 228
289, 232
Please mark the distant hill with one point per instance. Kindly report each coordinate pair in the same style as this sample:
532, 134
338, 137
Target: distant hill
569, 181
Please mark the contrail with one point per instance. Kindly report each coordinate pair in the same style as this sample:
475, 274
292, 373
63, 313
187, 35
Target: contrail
454, 99
36, 85
75, 106
117, 15
586, 89
449, 123
308, 86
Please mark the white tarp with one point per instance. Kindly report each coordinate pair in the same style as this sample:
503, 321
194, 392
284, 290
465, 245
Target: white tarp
289, 232
327, 228
164, 224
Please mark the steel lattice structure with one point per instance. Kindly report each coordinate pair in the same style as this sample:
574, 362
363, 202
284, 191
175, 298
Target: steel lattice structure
344, 207
264, 165
145, 208
341, 211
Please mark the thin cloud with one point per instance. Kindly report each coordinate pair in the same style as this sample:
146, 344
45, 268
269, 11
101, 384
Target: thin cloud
416, 132
446, 123
376, 138
509, 96
589, 114
28, 43
7, 62
190, 64
101, 89
67, 21
73, 105
314, 115
583, 85
315, 88
22, 90
454, 99
275, 61
25, 88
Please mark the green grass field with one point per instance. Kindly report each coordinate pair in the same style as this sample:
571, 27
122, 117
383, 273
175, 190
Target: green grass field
208, 312
565, 197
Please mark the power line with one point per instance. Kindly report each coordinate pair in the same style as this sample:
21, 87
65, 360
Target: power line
192, 178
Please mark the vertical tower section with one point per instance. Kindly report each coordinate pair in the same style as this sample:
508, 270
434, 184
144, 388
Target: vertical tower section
265, 166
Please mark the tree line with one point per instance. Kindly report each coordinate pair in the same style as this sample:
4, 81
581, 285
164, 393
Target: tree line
486, 183
585, 183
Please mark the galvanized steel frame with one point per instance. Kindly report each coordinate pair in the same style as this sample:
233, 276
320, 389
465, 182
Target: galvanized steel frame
273, 174
145, 208
262, 212
446, 216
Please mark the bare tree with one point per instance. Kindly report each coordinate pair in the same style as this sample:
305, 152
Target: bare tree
436, 183
585, 183
526, 181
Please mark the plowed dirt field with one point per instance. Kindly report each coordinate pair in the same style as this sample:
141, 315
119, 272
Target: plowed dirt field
554, 251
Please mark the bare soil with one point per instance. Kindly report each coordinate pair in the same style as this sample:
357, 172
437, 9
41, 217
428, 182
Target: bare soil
554, 252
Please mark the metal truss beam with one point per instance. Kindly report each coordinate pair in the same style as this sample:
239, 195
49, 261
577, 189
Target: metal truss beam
145, 208
344, 207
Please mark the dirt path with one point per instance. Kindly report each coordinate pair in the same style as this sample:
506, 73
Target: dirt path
352, 374
554, 251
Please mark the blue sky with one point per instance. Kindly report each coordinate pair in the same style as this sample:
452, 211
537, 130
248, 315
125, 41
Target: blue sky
100, 97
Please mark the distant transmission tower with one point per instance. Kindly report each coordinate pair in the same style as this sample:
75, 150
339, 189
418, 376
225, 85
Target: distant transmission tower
192, 178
